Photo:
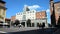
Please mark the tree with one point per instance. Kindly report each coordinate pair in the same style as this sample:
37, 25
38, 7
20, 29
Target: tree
17, 22
29, 23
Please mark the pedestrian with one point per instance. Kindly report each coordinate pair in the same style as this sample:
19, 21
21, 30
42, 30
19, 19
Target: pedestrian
43, 25
39, 25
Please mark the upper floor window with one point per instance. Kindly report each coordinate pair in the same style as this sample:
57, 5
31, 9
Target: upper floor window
27, 12
24, 17
30, 12
24, 12
33, 11
19, 13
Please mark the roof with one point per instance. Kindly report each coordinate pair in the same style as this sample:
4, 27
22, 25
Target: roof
7, 19
2, 1
57, 2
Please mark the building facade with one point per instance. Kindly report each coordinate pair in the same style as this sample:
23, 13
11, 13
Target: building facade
13, 18
2, 11
35, 17
55, 12
41, 17
7, 20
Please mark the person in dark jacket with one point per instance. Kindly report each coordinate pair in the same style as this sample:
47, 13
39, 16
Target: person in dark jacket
43, 25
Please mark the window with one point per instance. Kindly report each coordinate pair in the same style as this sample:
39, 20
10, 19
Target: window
33, 11
18, 13
33, 17
28, 12
30, 17
24, 12
27, 9
24, 17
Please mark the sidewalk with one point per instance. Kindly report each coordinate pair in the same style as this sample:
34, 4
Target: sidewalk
15, 29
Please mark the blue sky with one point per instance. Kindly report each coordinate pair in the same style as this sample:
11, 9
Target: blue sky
15, 6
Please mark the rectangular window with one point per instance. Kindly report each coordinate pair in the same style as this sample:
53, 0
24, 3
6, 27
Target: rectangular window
33, 11
24, 17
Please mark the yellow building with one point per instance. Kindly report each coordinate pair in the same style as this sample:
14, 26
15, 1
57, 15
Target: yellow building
2, 11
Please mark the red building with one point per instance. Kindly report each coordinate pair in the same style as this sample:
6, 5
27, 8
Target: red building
13, 18
41, 15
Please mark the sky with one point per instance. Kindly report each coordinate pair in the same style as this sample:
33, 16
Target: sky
15, 6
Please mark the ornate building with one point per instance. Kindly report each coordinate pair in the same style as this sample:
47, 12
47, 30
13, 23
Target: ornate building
2, 11
35, 17
55, 12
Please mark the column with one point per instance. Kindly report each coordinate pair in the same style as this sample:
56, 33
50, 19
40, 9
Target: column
35, 24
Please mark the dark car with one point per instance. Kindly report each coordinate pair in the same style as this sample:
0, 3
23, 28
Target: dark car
4, 25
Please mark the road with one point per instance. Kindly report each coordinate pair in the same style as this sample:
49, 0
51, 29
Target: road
15, 29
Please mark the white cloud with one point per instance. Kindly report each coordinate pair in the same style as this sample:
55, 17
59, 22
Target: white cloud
34, 7
48, 15
48, 10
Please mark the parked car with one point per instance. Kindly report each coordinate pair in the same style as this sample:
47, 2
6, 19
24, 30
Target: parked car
4, 24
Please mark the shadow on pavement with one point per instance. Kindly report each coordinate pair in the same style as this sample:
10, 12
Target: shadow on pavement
38, 31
